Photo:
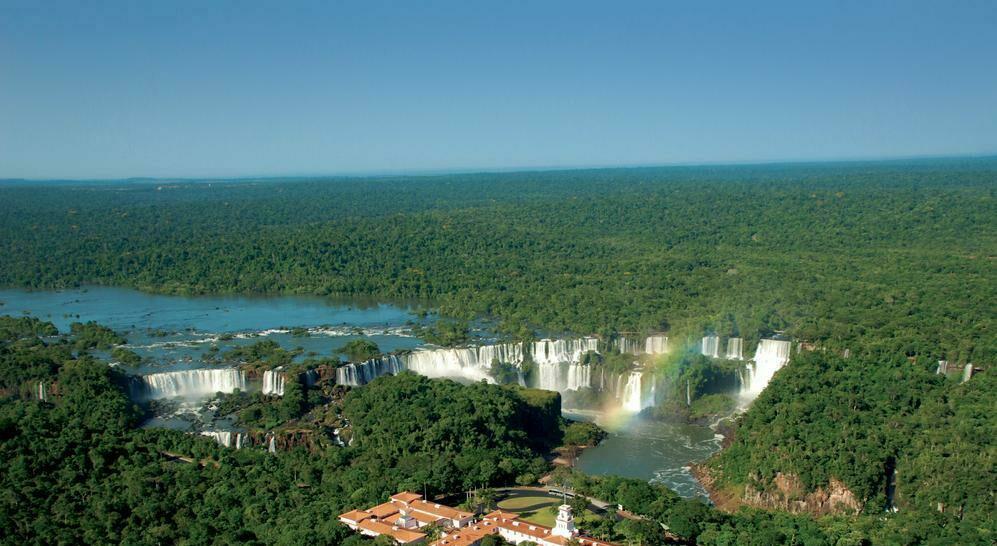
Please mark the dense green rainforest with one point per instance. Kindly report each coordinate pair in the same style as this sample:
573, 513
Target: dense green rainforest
892, 261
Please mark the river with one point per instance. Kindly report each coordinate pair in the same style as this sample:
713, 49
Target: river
172, 333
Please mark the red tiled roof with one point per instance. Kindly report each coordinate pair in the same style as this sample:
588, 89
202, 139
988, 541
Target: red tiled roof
406, 496
355, 515
438, 510
383, 510
468, 535
403, 536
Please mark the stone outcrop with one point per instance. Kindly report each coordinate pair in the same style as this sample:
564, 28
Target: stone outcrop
787, 494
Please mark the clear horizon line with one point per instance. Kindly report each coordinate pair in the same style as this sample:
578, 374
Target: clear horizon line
362, 173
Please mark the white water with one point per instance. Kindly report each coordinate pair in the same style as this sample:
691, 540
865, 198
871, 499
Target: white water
967, 373
42, 393
633, 399
362, 373
273, 382
191, 383
579, 376
471, 363
735, 349
711, 346
943, 367
656, 345
226, 438
556, 351
652, 345
771, 355
561, 377
628, 345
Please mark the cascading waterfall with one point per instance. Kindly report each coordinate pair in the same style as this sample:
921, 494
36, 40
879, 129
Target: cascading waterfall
468, 362
509, 353
652, 345
190, 383
563, 377
42, 393
656, 345
711, 346
771, 355
943, 367
967, 373
550, 351
273, 382
310, 377
548, 376
734, 349
272, 444
362, 373
222, 437
688, 393
628, 345
633, 399
579, 376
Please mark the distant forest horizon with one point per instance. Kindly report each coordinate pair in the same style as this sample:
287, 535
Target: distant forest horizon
953, 159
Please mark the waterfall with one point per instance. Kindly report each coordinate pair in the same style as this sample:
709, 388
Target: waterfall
223, 437
362, 373
190, 383
461, 362
734, 351
42, 393
633, 399
563, 377
510, 353
770, 356
272, 445
273, 382
688, 393
549, 376
943, 367
472, 363
558, 366
227, 439
628, 345
711, 346
549, 351
310, 377
579, 376
967, 372
656, 345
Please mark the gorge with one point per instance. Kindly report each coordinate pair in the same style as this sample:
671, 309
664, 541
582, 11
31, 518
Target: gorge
173, 335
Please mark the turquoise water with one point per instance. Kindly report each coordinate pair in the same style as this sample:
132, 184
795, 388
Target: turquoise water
172, 332
189, 326
650, 450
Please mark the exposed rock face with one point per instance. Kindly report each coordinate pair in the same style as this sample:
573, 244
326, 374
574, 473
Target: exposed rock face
787, 495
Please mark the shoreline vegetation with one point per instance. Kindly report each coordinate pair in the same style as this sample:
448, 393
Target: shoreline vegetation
881, 270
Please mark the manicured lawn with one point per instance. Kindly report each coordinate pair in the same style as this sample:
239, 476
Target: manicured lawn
514, 504
536, 508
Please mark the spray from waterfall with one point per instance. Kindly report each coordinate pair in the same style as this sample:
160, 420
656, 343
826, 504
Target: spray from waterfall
711, 346
770, 357
273, 382
734, 349
189, 383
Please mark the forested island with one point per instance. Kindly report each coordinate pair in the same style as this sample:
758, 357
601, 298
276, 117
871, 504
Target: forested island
876, 271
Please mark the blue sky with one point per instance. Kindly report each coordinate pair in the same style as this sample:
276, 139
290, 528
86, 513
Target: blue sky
119, 89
